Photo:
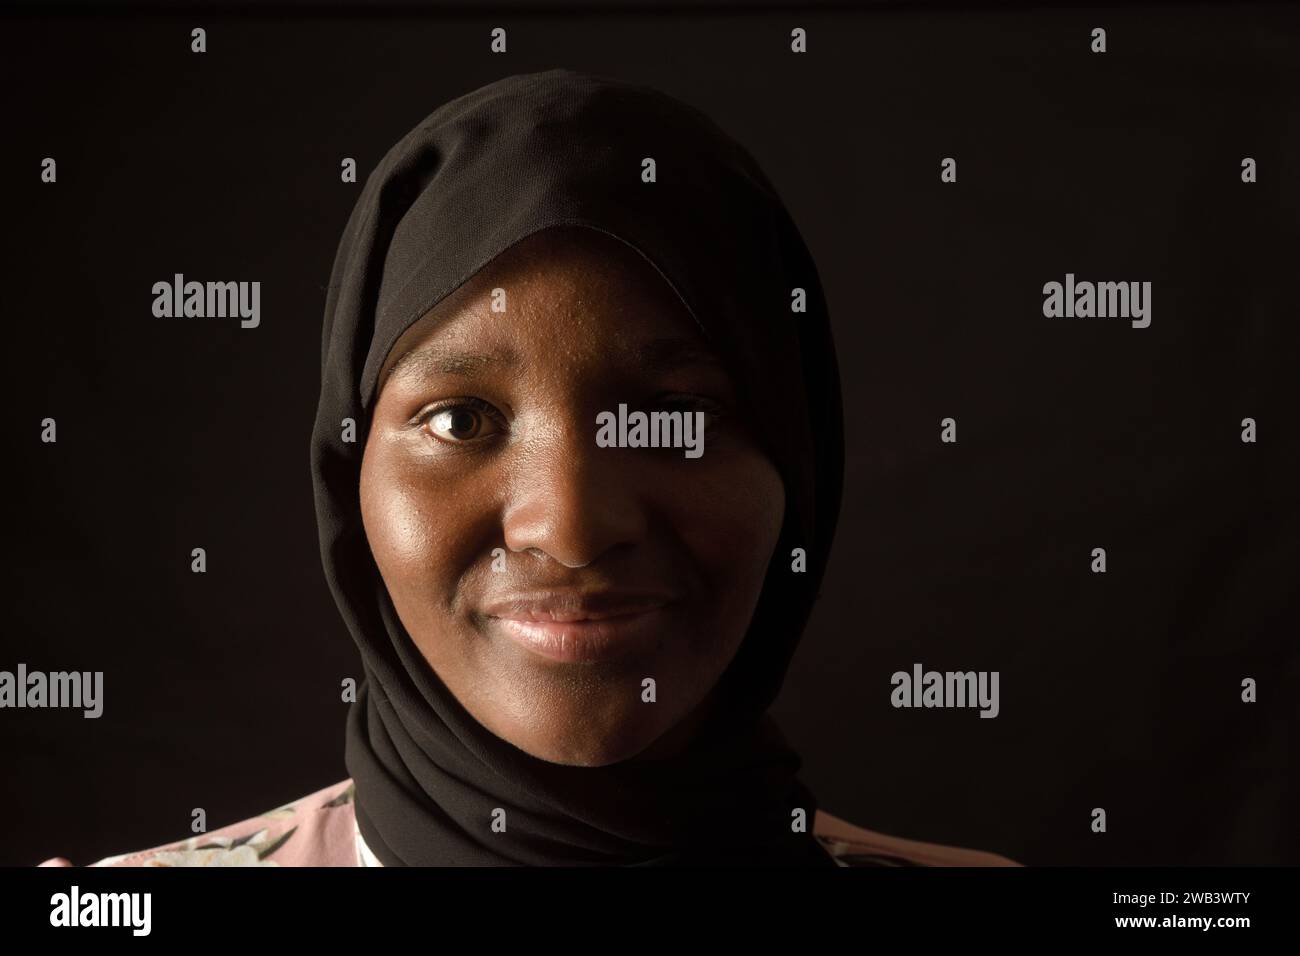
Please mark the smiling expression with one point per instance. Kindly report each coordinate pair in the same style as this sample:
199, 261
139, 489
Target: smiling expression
543, 577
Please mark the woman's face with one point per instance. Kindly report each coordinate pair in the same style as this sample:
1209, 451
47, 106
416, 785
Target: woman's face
547, 579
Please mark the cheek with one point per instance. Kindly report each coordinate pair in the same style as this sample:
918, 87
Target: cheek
395, 514
729, 518
419, 531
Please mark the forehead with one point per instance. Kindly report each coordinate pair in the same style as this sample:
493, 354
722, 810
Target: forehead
568, 296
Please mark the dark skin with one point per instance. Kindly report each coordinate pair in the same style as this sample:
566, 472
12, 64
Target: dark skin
465, 456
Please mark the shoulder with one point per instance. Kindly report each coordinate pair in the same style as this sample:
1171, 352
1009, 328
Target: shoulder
854, 846
319, 829
315, 830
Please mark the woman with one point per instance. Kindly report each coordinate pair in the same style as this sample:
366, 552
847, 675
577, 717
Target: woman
571, 626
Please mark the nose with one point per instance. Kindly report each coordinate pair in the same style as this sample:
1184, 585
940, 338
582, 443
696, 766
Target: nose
573, 500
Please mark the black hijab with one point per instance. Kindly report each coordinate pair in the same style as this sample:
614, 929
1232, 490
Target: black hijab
481, 173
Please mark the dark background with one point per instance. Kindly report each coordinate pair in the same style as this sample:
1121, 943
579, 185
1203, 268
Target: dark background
1119, 690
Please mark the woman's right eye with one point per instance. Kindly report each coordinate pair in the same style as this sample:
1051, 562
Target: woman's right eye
461, 420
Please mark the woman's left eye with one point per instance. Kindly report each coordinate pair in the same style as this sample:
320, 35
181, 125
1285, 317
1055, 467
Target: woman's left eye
462, 420
691, 403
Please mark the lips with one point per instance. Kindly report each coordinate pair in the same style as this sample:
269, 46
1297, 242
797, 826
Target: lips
582, 627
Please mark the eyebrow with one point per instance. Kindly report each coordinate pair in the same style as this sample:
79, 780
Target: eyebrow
665, 355
654, 356
443, 360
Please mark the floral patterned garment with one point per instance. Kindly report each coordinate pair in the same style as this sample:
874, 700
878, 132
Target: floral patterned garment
320, 830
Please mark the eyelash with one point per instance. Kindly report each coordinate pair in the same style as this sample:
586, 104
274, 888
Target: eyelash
692, 403
477, 404
714, 410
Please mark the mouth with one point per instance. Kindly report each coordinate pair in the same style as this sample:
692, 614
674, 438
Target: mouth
582, 629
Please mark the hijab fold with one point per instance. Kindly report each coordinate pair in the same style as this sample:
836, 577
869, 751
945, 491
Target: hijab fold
481, 173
